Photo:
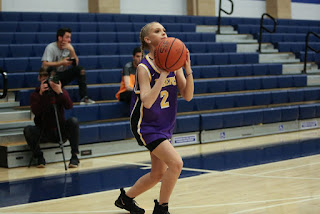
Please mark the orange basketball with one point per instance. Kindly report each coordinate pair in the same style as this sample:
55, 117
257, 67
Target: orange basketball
170, 54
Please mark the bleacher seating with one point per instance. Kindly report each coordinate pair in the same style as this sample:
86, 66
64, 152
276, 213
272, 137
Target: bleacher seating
232, 88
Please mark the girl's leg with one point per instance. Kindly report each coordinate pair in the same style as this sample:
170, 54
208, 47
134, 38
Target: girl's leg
166, 153
146, 182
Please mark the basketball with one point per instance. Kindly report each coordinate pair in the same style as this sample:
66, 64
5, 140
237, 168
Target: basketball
170, 54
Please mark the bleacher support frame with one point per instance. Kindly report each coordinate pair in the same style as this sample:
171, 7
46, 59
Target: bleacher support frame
266, 29
308, 47
220, 9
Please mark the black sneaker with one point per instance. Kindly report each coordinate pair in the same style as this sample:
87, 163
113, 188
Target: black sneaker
124, 202
41, 162
160, 209
74, 162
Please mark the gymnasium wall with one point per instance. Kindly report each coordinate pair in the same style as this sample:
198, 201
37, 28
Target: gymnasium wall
301, 9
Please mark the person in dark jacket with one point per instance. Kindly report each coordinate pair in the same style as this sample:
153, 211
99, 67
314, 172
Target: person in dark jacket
45, 129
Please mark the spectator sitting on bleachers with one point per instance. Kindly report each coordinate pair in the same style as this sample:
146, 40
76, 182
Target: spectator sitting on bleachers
128, 77
45, 129
61, 55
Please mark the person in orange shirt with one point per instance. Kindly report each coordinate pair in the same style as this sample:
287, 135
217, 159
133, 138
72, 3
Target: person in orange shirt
128, 77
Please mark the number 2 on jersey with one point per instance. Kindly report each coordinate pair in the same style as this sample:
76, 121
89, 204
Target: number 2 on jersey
164, 95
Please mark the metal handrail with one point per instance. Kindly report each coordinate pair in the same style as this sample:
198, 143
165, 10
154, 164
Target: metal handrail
5, 83
220, 9
306, 50
266, 29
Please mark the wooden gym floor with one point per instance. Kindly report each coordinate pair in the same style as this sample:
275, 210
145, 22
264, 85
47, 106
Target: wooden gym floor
282, 185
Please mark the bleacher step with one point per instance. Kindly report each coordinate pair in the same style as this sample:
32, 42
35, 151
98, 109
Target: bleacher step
249, 48
313, 80
10, 115
8, 105
15, 124
239, 38
297, 68
277, 58
214, 28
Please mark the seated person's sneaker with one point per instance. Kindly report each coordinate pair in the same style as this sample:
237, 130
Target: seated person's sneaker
74, 162
124, 202
160, 209
41, 162
86, 100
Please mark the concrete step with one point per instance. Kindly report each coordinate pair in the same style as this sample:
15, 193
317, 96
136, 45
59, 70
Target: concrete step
11, 115
313, 80
214, 28
6, 105
297, 68
278, 58
11, 136
15, 124
239, 38
249, 48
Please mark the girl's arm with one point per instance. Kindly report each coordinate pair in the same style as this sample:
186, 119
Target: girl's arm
149, 95
185, 84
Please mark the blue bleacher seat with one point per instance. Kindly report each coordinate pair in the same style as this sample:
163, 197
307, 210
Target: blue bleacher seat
89, 133
106, 27
185, 106
235, 84
94, 92
38, 49
152, 18
49, 26
227, 71
127, 48
269, 82
187, 123
31, 16
251, 58
275, 69
244, 100
260, 69
109, 92
172, 27
204, 103
34, 63
311, 94
271, 115
220, 59
296, 95
24, 97
108, 49
252, 117
127, 37
87, 17
113, 110
124, 27
279, 97
110, 76
168, 19
68, 17
88, 37
263, 98
31, 79
252, 83
28, 27
202, 58
285, 81
243, 70
49, 17
108, 62
136, 18
289, 113
104, 17
206, 71
88, 27
211, 121
10, 16
88, 62
46, 38
113, 131
299, 80
232, 119
307, 111
121, 18
235, 58
8, 26
225, 101
182, 19
16, 80
86, 113
214, 86
84, 49
16, 64
21, 50
25, 38
5, 51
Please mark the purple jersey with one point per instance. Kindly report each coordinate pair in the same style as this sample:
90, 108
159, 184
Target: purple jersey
158, 122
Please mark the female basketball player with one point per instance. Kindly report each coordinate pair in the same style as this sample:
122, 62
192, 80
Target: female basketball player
152, 121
